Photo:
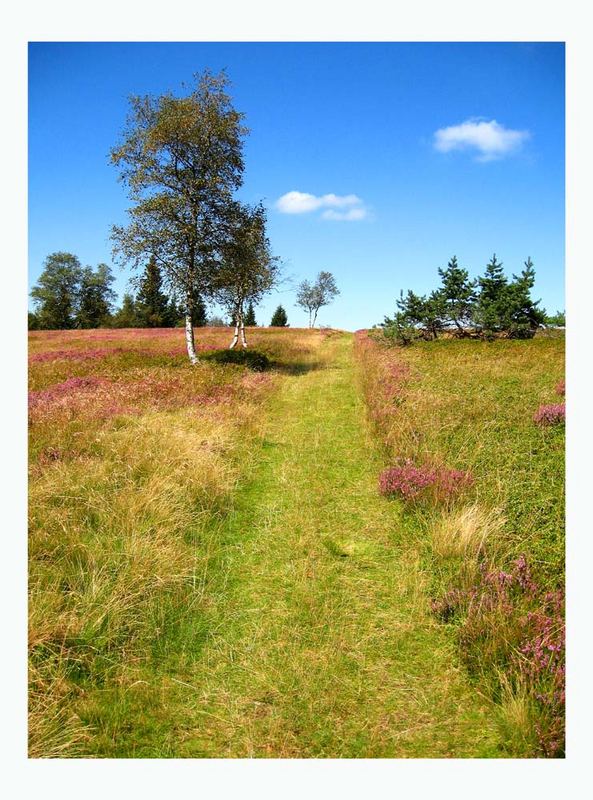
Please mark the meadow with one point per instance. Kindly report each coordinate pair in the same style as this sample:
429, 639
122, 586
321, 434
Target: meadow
215, 571
132, 454
475, 433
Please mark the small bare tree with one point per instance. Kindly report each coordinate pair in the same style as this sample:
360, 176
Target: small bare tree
312, 297
248, 269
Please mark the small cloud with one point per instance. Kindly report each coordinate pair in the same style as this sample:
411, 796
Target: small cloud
351, 214
489, 139
303, 203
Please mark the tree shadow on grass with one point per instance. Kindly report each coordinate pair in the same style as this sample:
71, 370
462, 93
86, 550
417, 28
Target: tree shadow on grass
295, 367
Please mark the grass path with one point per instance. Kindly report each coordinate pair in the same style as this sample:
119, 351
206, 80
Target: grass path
324, 646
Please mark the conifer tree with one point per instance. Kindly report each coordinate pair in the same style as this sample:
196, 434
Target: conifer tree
279, 318
152, 304
523, 313
250, 320
458, 294
491, 308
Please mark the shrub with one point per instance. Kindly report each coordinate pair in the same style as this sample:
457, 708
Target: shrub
561, 388
550, 414
258, 362
410, 481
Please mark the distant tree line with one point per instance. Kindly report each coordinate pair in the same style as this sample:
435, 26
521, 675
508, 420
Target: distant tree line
485, 307
68, 296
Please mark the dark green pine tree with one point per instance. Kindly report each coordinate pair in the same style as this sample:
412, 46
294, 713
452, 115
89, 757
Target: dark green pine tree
279, 318
458, 294
524, 315
198, 312
492, 309
249, 319
152, 304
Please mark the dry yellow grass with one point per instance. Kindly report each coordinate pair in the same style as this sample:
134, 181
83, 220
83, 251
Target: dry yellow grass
120, 508
464, 532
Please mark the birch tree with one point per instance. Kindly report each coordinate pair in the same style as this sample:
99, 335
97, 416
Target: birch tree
181, 159
249, 270
312, 297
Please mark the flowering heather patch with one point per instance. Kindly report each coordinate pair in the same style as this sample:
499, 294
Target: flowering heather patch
561, 388
509, 623
76, 355
552, 414
409, 481
61, 391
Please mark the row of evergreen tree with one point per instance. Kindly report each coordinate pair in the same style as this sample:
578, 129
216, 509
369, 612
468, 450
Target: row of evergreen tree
488, 306
69, 296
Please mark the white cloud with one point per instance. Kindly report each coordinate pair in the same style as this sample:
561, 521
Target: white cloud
489, 139
350, 214
303, 203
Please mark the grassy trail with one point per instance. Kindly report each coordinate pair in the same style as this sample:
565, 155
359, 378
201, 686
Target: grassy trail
324, 646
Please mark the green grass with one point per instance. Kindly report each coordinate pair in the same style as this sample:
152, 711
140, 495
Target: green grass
470, 405
224, 580
309, 634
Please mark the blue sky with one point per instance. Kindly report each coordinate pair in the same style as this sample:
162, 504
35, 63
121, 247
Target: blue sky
398, 155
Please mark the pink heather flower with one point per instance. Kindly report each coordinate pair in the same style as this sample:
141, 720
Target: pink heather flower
550, 414
561, 388
409, 480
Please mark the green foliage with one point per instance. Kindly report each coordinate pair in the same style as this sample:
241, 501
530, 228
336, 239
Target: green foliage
487, 307
152, 305
70, 296
258, 362
95, 298
33, 322
556, 320
181, 160
198, 311
311, 297
248, 269
250, 320
126, 317
279, 318
418, 317
56, 292
458, 294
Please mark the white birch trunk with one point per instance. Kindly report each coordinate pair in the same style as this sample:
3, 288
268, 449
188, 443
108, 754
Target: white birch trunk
243, 339
236, 336
189, 340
